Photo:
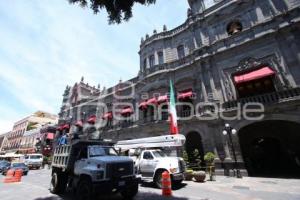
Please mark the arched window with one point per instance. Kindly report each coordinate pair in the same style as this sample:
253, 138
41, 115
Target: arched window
180, 51
234, 27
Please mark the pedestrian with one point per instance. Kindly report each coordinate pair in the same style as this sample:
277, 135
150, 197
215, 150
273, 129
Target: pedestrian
63, 140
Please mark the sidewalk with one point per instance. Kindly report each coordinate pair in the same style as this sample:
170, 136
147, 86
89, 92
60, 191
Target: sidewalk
232, 188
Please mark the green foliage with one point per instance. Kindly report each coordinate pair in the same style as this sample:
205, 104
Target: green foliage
185, 156
196, 157
117, 10
209, 158
31, 125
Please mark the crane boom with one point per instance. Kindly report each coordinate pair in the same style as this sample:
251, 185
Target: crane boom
152, 142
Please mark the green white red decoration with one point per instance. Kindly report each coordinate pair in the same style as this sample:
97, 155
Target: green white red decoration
172, 112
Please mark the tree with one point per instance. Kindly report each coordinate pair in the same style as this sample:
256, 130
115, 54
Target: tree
118, 10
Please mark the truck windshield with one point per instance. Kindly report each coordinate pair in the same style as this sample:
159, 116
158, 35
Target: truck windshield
35, 157
158, 153
18, 165
102, 151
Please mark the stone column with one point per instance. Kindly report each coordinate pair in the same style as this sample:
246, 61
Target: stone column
211, 80
204, 92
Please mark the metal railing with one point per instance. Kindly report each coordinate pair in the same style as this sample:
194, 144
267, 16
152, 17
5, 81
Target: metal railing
266, 99
185, 113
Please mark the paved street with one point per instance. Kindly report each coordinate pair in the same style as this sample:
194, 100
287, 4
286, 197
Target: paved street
35, 187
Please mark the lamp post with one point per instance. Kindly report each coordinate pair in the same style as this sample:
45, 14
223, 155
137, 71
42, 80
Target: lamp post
228, 130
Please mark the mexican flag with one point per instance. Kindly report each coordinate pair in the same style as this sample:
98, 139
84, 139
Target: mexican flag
172, 111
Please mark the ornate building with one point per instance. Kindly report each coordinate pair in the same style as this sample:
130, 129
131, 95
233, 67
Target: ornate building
226, 54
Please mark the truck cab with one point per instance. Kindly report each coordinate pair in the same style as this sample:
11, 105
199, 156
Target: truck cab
153, 162
95, 160
33, 160
151, 159
90, 168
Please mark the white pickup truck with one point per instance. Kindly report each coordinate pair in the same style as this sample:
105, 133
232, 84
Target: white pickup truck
34, 160
150, 158
153, 162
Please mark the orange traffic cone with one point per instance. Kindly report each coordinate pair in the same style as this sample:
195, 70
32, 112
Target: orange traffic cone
18, 175
166, 184
9, 176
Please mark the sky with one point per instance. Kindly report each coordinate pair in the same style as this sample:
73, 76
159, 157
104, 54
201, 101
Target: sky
48, 44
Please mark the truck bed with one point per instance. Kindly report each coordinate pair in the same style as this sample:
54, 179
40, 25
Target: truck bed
64, 156
61, 156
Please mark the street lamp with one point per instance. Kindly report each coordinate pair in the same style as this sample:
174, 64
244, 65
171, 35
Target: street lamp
228, 130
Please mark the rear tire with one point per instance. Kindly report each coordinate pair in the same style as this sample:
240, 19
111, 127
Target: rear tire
130, 192
58, 183
84, 190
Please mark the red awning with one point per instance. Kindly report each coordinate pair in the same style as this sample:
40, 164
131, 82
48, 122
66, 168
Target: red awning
66, 126
79, 123
152, 101
185, 95
92, 119
126, 111
256, 74
143, 105
50, 136
107, 115
162, 99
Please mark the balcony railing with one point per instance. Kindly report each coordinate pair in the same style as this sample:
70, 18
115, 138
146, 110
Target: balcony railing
171, 65
184, 113
266, 99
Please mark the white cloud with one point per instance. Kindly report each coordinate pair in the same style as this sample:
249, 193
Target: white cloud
46, 45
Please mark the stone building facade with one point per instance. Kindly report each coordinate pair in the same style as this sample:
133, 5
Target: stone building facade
226, 54
29, 141
35, 120
3, 142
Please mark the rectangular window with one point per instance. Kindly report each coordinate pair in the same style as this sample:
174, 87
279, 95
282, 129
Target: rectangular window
160, 57
180, 51
151, 60
145, 64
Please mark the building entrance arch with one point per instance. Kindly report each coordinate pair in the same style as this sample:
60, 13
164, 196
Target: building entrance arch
271, 148
194, 147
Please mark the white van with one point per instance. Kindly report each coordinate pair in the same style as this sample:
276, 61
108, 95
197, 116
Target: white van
34, 160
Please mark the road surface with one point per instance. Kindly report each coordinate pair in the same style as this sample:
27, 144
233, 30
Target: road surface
35, 187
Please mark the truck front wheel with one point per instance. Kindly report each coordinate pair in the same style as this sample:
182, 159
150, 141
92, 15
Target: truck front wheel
57, 184
84, 190
131, 191
158, 178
